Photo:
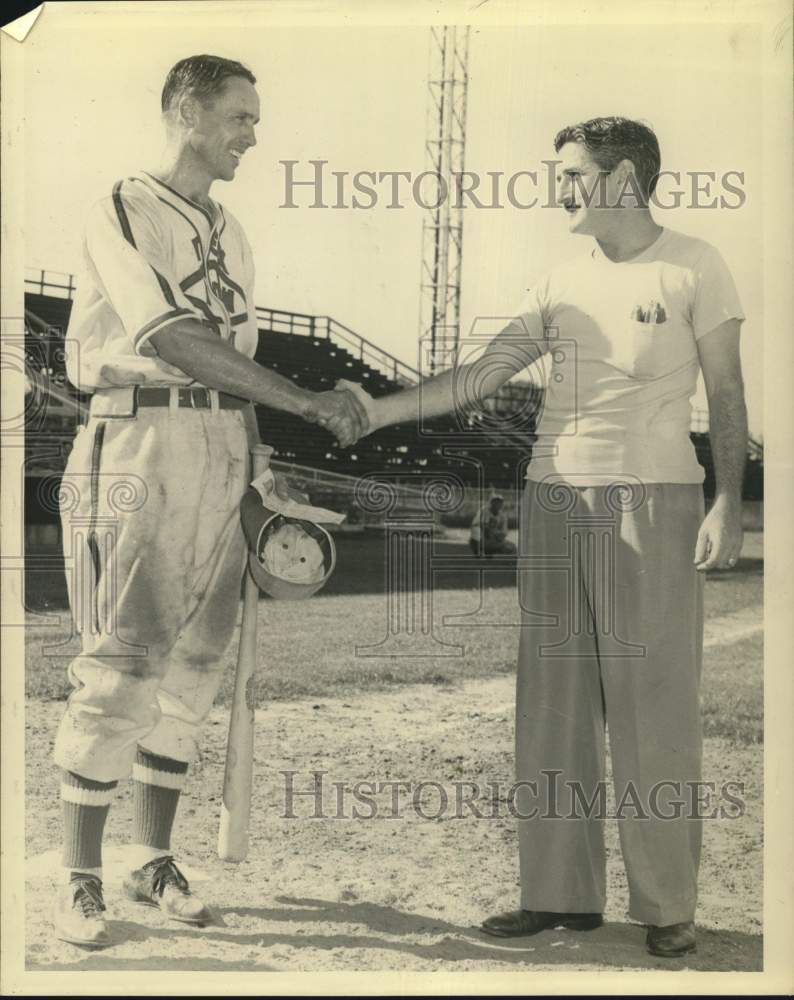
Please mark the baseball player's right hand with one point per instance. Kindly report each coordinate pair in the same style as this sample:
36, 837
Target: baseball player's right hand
364, 398
342, 413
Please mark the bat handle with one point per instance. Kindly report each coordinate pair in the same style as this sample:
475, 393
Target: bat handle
260, 458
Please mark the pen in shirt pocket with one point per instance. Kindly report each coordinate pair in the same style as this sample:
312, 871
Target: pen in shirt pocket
652, 313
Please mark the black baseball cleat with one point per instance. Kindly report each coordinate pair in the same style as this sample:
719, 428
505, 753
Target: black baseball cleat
160, 883
671, 941
521, 923
79, 914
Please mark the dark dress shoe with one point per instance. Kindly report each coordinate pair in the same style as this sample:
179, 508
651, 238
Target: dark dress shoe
520, 923
671, 941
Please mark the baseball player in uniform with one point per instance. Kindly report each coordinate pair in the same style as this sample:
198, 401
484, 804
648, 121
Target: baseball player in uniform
488, 531
613, 540
162, 333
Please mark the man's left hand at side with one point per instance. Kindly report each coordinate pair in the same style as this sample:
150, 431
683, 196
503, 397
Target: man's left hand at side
720, 537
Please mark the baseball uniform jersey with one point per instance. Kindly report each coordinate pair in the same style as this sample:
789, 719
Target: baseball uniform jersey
151, 256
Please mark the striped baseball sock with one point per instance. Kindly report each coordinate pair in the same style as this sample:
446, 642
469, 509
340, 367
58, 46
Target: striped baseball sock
86, 804
157, 783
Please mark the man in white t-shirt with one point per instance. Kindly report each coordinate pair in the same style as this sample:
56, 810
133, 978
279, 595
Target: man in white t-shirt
613, 541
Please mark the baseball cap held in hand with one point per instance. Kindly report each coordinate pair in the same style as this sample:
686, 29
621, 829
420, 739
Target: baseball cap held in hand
291, 555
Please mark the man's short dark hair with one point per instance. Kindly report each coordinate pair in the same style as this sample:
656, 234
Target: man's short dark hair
610, 140
203, 77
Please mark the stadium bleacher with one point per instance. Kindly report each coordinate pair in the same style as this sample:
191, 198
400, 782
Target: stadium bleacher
53, 312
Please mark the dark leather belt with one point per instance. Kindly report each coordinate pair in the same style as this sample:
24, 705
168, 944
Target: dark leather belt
192, 396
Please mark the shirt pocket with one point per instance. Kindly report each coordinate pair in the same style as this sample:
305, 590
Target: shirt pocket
644, 349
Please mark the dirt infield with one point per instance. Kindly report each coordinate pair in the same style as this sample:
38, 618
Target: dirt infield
403, 891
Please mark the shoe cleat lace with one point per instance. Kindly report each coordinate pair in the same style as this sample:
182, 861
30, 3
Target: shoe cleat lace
165, 873
88, 896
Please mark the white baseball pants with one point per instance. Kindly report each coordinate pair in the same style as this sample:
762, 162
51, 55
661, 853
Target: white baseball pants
154, 556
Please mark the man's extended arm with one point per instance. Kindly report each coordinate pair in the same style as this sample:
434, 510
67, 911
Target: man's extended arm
514, 348
720, 539
198, 351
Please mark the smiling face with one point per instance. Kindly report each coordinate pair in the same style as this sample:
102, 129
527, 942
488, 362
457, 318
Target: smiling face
222, 131
585, 190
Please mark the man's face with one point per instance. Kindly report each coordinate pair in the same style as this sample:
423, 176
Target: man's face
223, 131
496, 505
584, 190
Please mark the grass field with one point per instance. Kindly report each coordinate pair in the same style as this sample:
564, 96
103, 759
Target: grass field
307, 649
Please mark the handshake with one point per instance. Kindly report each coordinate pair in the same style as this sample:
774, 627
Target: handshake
348, 411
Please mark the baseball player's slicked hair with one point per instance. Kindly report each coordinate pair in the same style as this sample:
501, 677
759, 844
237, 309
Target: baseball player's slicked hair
204, 77
610, 140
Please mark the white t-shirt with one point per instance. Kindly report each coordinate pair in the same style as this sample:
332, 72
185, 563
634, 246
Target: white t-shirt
151, 256
623, 361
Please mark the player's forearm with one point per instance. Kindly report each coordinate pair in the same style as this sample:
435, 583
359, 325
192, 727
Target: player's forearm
457, 389
432, 398
466, 386
728, 434
201, 354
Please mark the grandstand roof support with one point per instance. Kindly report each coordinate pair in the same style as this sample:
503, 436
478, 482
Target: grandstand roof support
442, 229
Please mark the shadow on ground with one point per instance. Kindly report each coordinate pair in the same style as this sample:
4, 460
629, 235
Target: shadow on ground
389, 930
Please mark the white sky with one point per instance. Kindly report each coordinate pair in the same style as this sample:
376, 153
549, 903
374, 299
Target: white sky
356, 97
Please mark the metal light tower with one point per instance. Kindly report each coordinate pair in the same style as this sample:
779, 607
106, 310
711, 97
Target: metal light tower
442, 229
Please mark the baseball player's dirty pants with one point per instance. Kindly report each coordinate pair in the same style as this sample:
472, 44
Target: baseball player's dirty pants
612, 623
154, 557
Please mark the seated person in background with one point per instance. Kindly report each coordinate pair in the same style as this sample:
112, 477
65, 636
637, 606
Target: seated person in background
489, 530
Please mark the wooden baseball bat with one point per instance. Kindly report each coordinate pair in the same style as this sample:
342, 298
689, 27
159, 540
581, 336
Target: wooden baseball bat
238, 776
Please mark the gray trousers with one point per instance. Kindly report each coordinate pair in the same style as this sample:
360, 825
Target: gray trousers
612, 636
